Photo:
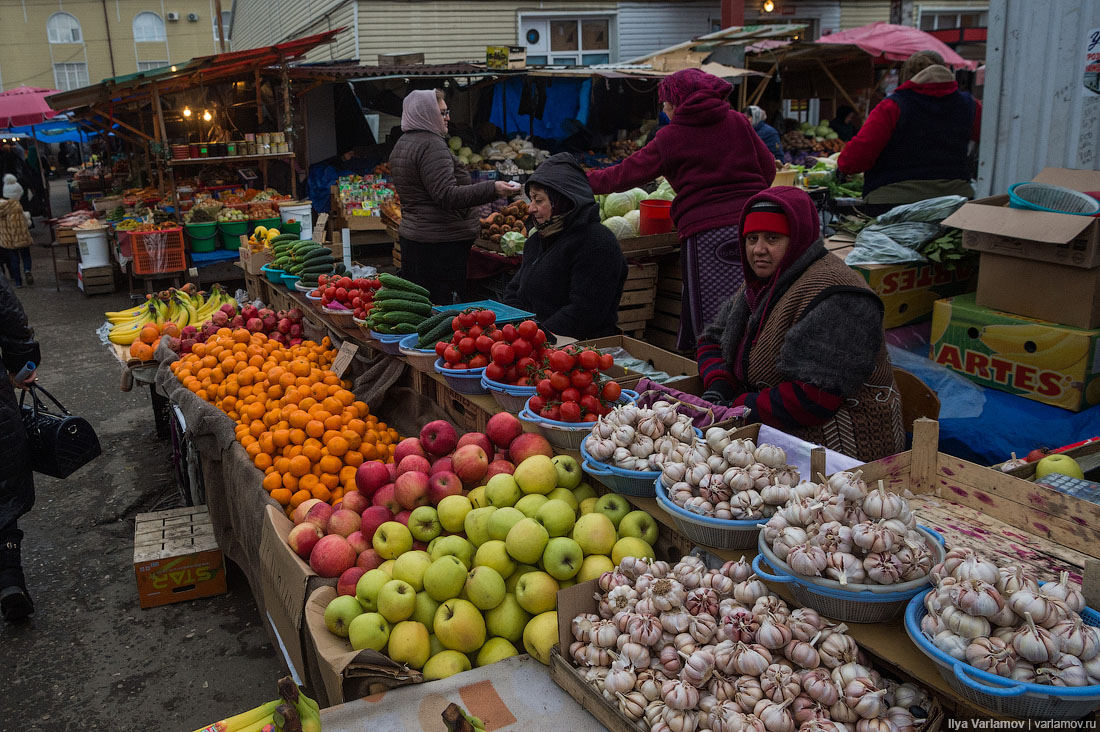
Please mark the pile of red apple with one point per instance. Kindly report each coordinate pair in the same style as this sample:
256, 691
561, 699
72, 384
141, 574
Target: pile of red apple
509, 354
283, 326
569, 388
338, 292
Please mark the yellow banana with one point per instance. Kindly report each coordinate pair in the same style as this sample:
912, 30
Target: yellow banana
134, 312
173, 311
1010, 339
1059, 357
244, 720
143, 318
127, 335
308, 711
183, 314
259, 725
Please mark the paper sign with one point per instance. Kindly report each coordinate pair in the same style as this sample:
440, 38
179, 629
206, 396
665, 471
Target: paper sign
344, 357
319, 228
1092, 61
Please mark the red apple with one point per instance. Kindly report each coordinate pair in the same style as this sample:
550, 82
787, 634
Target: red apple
503, 427
320, 514
408, 446
370, 476
1037, 454
358, 542
298, 515
411, 489
403, 517
442, 485
344, 522
303, 538
499, 466
374, 517
384, 496
413, 463
420, 546
354, 501
528, 444
346, 584
479, 439
438, 437
471, 463
391, 471
369, 559
442, 465
332, 556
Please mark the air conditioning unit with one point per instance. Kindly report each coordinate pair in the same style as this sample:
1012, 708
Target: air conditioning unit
172, 16
193, 17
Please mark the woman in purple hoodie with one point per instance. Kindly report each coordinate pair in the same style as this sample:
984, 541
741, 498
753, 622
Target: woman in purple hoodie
715, 162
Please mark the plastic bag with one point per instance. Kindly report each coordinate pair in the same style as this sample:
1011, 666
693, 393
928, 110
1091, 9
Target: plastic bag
960, 398
892, 243
931, 210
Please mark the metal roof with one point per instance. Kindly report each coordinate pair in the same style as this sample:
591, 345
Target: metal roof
733, 36
353, 71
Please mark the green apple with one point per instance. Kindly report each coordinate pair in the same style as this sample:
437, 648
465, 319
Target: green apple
445, 578
507, 619
521, 569
495, 554
434, 646
387, 567
640, 525
392, 539
452, 512
477, 525
502, 490
527, 540
537, 592
340, 613
557, 517
540, 635
583, 491
564, 494
424, 523
595, 533
366, 589
477, 497
369, 631
425, 609
485, 588
409, 644
536, 474
593, 566
411, 566
444, 664
562, 584
529, 504
396, 601
614, 506
495, 649
569, 471
454, 546
631, 546
588, 505
1063, 464
502, 520
460, 626
562, 558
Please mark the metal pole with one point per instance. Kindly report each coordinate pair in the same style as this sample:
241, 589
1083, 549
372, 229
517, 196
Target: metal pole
42, 172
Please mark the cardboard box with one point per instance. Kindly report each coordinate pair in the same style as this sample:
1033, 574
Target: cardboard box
1051, 292
1050, 363
685, 369
176, 557
989, 225
506, 57
908, 290
251, 261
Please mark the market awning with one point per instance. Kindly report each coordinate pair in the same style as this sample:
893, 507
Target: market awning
25, 105
55, 130
626, 71
895, 43
353, 71
735, 36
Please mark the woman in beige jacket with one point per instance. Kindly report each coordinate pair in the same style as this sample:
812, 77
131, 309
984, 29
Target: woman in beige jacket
15, 236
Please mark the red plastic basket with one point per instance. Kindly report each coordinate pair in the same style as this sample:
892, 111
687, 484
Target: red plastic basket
152, 258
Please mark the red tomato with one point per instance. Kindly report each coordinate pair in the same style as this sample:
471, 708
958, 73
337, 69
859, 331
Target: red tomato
536, 404
479, 361
590, 403
606, 361
546, 389
494, 372
511, 376
561, 361
376, 284
553, 413
522, 381
592, 389
503, 354
467, 346
485, 318
475, 331
559, 381
589, 418
344, 282
581, 379
523, 364
527, 329
483, 343
612, 391
322, 279
540, 337
456, 324
451, 354
467, 319
357, 302
570, 411
330, 292
440, 348
497, 335
522, 348
509, 332
457, 337
589, 360
570, 395
459, 366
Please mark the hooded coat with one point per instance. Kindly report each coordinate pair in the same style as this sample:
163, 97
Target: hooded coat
17, 346
804, 349
572, 279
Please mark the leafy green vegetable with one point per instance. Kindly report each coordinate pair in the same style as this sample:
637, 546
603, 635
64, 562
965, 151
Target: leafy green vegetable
948, 250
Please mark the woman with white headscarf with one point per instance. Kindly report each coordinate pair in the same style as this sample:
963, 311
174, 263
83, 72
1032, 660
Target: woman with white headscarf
758, 118
438, 201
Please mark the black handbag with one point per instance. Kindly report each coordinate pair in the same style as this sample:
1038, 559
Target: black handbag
58, 444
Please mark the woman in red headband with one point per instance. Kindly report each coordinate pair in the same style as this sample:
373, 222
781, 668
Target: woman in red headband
801, 345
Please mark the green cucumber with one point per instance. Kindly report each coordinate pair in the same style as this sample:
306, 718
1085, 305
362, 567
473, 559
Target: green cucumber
404, 329
387, 293
318, 269
404, 306
340, 268
398, 283
383, 328
315, 254
402, 316
441, 332
429, 325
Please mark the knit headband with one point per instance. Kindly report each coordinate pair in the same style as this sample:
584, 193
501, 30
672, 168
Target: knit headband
767, 216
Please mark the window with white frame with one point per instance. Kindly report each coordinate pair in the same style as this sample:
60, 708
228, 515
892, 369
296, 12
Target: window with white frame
63, 28
150, 65
148, 27
931, 20
227, 21
566, 41
70, 76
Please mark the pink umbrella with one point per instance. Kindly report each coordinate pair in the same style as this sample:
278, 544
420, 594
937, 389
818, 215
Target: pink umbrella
25, 105
895, 43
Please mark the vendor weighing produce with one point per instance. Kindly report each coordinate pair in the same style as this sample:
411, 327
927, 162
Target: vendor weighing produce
715, 161
573, 268
801, 344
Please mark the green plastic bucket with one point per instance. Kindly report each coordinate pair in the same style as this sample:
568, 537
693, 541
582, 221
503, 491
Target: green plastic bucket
231, 232
271, 223
202, 237
291, 228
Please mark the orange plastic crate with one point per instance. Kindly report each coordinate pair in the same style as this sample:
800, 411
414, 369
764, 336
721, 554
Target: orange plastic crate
149, 258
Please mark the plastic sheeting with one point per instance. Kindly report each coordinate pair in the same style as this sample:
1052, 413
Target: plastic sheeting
897, 235
566, 99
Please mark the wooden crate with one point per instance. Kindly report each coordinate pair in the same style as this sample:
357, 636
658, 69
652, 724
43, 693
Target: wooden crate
464, 412
95, 280
663, 328
650, 246
176, 557
65, 236
636, 303
397, 253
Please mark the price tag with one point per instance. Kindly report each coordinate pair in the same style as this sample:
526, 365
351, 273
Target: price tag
343, 358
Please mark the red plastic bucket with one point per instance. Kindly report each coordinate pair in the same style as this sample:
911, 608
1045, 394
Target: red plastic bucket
655, 217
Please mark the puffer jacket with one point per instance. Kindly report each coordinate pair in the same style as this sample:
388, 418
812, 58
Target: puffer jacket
437, 197
14, 233
17, 346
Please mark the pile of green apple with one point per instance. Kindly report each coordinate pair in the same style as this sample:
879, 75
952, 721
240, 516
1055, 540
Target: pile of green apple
490, 582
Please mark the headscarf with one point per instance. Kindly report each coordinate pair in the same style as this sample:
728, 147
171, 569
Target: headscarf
756, 115
679, 87
420, 111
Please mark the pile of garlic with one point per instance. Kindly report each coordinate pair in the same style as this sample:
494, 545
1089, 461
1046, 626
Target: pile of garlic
998, 619
686, 649
841, 531
727, 478
641, 438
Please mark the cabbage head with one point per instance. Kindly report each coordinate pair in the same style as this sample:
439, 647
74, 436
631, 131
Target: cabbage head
455, 143
620, 227
637, 195
617, 204
662, 194
464, 152
633, 218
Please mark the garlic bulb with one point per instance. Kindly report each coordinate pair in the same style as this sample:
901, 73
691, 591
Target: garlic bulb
621, 678
848, 485
951, 644
738, 571
1033, 642
775, 717
976, 597
803, 653
1066, 592
748, 591
849, 672
882, 505
807, 560
864, 699
872, 537
964, 625
751, 659
836, 648
844, 568
717, 438
992, 655
788, 537
666, 594
680, 695
771, 456
1009, 465
883, 567
1014, 578
1076, 638
773, 635
819, 685
805, 623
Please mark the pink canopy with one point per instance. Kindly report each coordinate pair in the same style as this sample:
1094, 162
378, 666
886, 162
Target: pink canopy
25, 105
895, 43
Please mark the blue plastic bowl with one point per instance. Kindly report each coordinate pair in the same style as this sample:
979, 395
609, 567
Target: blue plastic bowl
289, 280
275, 276
464, 381
510, 397
390, 344
621, 480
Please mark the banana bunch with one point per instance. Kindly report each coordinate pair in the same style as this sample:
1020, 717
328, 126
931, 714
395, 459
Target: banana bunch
182, 307
126, 331
1036, 345
293, 711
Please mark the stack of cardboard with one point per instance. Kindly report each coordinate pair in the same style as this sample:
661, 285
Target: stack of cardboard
1032, 327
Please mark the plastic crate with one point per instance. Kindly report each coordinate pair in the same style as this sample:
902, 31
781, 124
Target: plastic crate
158, 252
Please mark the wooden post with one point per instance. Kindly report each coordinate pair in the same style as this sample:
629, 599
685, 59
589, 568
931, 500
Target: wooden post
836, 83
924, 466
164, 142
756, 95
259, 100
220, 26
817, 463
42, 172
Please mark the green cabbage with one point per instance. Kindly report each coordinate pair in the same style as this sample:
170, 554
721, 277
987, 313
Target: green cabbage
633, 218
661, 194
617, 204
620, 227
464, 152
637, 195
454, 143
512, 243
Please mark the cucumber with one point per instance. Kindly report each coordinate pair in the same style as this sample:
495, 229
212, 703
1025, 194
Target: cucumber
317, 269
390, 294
303, 244
383, 328
340, 268
404, 306
402, 316
404, 329
398, 283
288, 238
429, 325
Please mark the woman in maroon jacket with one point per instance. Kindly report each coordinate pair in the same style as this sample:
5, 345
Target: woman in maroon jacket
715, 162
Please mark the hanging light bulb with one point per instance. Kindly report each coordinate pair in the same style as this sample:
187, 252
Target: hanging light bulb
206, 116
769, 6
187, 112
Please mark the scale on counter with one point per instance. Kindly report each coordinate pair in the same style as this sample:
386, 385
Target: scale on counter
248, 175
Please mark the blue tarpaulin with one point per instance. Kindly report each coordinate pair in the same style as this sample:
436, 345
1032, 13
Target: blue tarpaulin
565, 99
56, 131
